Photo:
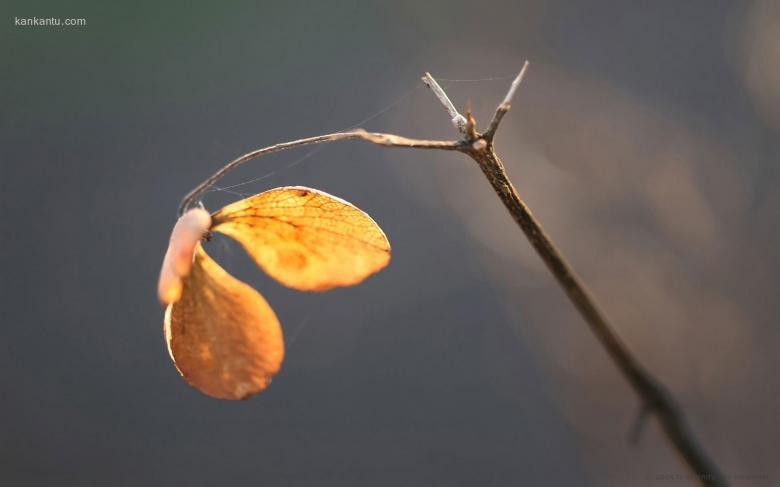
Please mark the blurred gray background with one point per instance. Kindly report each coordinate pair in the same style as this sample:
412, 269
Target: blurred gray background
645, 138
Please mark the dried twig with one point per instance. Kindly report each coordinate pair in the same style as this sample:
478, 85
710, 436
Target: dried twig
458, 120
386, 140
505, 105
655, 398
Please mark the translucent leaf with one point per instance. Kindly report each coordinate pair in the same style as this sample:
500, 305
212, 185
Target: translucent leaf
306, 239
222, 335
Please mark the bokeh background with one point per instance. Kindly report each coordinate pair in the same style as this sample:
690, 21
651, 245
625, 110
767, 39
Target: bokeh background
645, 138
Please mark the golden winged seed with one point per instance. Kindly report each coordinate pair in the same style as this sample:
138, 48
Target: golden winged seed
306, 239
222, 335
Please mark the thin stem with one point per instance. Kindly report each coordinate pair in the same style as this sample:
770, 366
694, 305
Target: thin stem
386, 140
505, 105
515, 83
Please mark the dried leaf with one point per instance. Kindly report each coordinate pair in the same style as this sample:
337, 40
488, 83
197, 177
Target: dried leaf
222, 335
306, 239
